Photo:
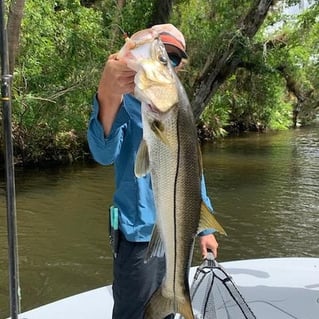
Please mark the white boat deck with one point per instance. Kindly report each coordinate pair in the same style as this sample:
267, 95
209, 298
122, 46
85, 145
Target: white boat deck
274, 288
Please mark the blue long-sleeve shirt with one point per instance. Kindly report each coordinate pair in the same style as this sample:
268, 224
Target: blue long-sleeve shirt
133, 196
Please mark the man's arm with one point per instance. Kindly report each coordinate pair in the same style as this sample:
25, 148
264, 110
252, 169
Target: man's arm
207, 240
108, 120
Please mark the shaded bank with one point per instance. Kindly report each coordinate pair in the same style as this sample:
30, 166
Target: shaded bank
70, 147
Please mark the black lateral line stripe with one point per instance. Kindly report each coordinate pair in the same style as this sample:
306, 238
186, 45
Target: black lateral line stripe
175, 206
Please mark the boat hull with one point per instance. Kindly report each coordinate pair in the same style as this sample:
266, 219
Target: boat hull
276, 288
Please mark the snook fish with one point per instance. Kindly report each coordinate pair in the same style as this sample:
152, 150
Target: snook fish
170, 152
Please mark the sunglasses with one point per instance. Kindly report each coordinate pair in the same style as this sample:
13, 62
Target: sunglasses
175, 59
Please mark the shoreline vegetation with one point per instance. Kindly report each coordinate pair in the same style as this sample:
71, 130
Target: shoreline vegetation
75, 148
252, 67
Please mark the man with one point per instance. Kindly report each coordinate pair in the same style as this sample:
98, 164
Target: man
114, 135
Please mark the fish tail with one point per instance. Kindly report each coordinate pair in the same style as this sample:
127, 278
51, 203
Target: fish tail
160, 306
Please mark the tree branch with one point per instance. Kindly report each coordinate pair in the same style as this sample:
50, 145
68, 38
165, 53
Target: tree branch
227, 59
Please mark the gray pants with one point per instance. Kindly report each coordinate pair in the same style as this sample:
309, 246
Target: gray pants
134, 281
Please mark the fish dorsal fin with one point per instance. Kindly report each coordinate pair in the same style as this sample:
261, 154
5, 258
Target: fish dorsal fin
155, 246
208, 220
142, 161
158, 129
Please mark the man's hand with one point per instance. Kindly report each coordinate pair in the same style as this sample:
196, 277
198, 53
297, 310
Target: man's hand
208, 242
117, 79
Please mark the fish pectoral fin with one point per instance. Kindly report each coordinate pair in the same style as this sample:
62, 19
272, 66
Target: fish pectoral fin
155, 246
208, 220
142, 161
158, 129
160, 306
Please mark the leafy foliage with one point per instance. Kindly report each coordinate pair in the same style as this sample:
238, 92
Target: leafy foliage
59, 64
258, 95
64, 45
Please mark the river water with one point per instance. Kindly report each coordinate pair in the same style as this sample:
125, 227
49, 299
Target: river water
264, 187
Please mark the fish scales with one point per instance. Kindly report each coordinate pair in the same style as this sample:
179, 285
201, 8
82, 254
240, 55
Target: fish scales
175, 171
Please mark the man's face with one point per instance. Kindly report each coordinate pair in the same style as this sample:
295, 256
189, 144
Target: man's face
174, 56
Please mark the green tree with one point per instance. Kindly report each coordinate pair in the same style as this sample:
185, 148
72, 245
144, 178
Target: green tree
61, 53
251, 65
246, 80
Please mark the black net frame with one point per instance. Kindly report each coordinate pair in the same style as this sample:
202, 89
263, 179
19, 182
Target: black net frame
215, 295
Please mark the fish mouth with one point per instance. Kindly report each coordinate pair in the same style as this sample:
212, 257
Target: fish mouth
153, 108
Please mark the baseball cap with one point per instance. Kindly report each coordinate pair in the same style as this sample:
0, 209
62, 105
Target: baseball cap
170, 35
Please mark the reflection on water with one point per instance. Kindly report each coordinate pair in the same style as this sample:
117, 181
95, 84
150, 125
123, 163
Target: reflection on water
62, 225
264, 188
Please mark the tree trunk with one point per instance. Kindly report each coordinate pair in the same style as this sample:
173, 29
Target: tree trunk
162, 12
120, 4
303, 97
227, 59
14, 27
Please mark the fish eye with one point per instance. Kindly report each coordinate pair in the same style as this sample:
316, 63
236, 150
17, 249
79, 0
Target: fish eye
162, 58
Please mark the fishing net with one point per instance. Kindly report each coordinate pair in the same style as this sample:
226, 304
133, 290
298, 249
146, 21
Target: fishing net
214, 294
